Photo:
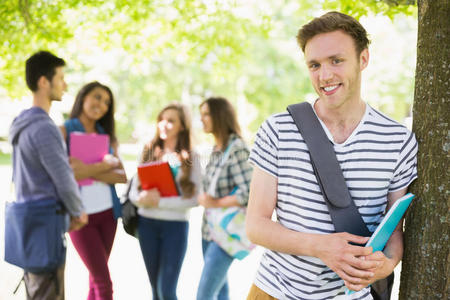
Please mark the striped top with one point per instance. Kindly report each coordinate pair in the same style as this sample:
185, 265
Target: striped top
379, 157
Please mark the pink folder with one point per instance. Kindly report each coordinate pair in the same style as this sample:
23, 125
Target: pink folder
89, 148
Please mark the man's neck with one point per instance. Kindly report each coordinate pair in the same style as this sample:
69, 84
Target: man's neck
42, 101
345, 115
341, 121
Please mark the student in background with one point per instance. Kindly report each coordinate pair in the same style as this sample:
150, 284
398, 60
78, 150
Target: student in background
219, 119
40, 167
163, 221
93, 112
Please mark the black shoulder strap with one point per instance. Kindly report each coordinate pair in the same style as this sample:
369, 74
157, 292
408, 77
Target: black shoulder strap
344, 213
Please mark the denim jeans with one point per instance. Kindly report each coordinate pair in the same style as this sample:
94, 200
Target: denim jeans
213, 281
163, 245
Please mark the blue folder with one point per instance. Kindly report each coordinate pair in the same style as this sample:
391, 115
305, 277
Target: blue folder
387, 226
390, 221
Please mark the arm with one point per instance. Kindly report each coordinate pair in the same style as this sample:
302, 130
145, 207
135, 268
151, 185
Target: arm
51, 152
112, 176
392, 253
109, 171
82, 170
333, 249
404, 173
76, 222
208, 201
143, 198
115, 174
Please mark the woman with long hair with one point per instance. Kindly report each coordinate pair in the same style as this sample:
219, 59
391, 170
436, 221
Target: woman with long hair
93, 112
163, 221
230, 189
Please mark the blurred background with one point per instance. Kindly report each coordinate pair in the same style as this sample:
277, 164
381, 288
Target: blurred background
154, 52
151, 53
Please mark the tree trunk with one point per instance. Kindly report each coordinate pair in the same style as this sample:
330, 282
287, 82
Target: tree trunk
426, 260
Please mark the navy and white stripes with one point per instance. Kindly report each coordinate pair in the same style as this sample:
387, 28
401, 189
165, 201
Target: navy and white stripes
379, 157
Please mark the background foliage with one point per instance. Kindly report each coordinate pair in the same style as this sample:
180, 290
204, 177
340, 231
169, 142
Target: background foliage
155, 52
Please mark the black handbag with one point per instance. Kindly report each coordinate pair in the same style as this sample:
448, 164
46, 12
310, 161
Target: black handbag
129, 212
343, 211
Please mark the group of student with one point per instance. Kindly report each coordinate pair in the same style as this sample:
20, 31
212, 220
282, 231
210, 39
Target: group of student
163, 221
376, 154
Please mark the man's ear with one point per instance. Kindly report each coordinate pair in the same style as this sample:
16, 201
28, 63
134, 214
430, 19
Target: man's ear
43, 83
364, 59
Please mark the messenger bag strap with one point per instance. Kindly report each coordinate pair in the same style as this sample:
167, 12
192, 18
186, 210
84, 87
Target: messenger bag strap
343, 211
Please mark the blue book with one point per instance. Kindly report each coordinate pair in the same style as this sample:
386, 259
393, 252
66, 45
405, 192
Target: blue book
383, 232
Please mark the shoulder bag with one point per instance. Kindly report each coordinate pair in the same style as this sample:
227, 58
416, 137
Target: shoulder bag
129, 211
34, 235
227, 224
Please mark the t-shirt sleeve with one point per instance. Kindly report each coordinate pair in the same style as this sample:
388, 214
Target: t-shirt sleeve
264, 154
405, 171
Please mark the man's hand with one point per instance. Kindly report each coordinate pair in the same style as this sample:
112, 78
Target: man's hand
384, 268
348, 261
149, 198
77, 223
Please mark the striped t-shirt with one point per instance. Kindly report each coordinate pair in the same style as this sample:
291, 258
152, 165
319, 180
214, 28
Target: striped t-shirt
379, 157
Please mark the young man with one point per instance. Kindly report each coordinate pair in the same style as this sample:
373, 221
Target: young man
40, 163
305, 257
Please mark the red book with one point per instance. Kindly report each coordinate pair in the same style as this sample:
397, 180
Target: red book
158, 175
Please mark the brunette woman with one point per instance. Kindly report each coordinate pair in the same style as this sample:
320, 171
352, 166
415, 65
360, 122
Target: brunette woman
231, 188
93, 112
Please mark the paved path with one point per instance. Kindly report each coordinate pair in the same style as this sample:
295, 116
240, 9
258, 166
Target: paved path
127, 267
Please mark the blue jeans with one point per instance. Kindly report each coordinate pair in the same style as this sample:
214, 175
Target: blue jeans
163, 246
213, 281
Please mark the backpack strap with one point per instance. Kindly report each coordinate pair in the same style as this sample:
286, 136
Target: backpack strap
343, 211
212, 185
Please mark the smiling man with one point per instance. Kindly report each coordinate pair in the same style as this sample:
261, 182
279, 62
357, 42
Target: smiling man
306, 258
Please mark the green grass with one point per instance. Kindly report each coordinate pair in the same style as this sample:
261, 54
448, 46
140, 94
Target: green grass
5, 158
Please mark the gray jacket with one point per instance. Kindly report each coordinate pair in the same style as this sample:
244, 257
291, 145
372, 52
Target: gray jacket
41, 168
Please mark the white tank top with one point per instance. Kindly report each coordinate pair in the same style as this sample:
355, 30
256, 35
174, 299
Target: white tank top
96, 197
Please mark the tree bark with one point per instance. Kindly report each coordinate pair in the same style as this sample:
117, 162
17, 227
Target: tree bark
426, 261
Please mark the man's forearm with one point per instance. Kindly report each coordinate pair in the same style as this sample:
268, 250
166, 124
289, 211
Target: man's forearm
394, 247
274, 236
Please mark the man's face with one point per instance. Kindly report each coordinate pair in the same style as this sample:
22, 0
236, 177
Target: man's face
335, 68
57, 85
